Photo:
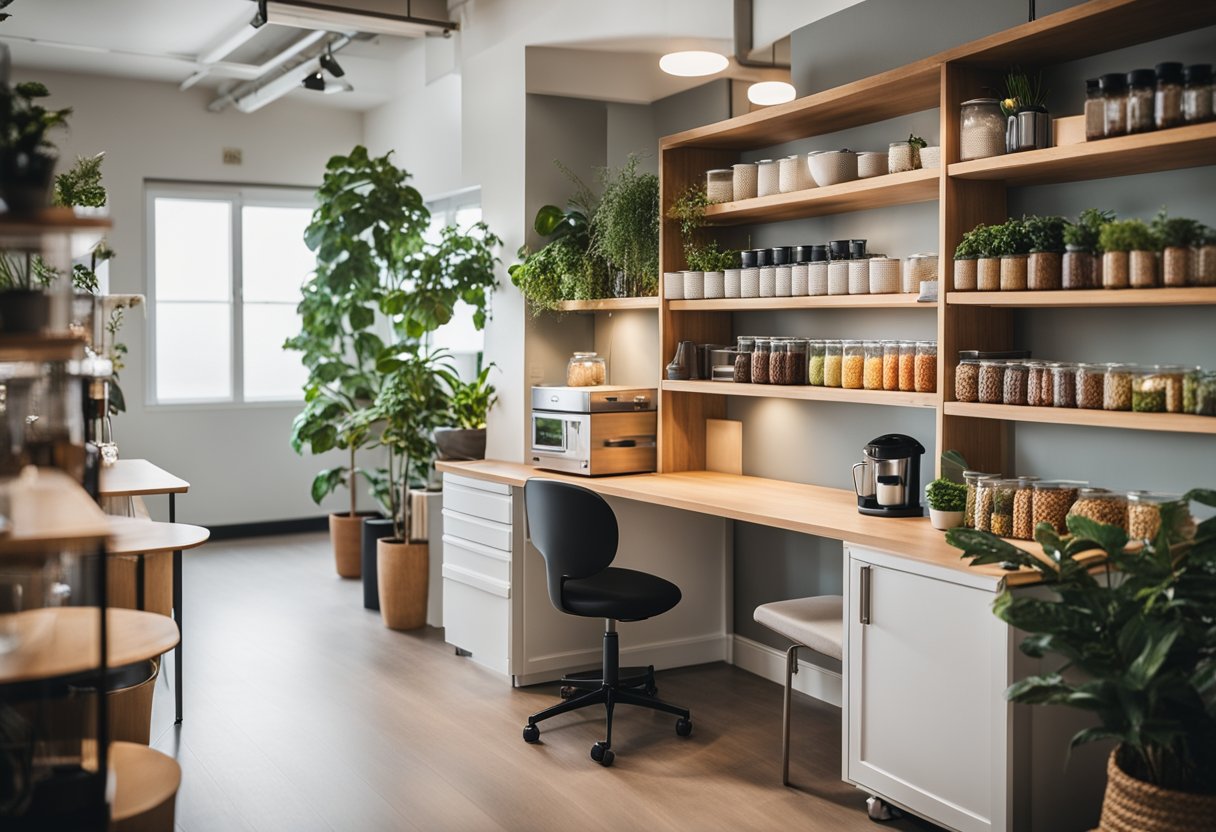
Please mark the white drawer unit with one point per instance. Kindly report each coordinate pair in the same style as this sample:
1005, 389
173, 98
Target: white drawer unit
493, 534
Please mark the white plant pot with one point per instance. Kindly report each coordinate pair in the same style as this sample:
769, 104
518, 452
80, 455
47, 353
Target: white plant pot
943, 520
673, 286
715, 285
694, 285
732, 282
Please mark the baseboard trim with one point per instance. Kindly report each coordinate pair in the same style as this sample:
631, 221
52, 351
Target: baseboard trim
679, 652
264, 528
769, 663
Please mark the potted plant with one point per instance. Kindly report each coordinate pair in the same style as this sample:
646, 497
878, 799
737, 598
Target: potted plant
1137, 653
946, 500
905, 155
27, 157
988, 257
80, 186
625, 229
701, 253
24, 305
1028, 122
1081, 267
1203, 272
1012, 244
966, 257
1043, 268
1176, 236
470, 405
1129, 255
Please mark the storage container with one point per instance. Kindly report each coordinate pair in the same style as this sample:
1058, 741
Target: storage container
871, 163
732, 283
778, 362
784, 281
1205, 394
853, 369
694, 285
1142, 269
973, 480
838, 277
1038, 384
798, 352
793, 174
1117, 387
873, 369
1014, 386
919, 268
902, 156
884, 275
1023, 508
991, 382
1144, 513
985, 492
1171, 376
890, 365
815, 362
930, 157
1013, 272
1190, 389
1101, 506
1197, 93
1094, 116
859, 277
768, 178
762, 352
1148, 390
833, 167
749, 283
799, 282
967, 380
1114, 104
1064, 384
1176, 265
586, 369
981, 129
744, 346
715, 285
720, 185
965, 274
1051, 503
1167, 104
1043, 271
1000, 521
1141, 90
817, 278
1115, 270
768, 281
1203, 268
673, 285
744, 185
832, 362
926, 367
1090, 380
988, 274
1078, 269
907, 366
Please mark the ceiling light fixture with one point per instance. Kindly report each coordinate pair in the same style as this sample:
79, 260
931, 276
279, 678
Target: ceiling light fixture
330, 64
315, 82
693, 64
766, 93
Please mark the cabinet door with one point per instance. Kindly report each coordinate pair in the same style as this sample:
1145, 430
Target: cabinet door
924, 709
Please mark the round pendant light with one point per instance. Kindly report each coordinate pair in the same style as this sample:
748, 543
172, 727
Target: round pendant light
771, 92
693, 63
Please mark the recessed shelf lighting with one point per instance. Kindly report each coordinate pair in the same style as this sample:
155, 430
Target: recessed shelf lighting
771, 92
693, 63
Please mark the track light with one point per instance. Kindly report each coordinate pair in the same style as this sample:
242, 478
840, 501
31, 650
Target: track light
315, 81
330, 64
259, 17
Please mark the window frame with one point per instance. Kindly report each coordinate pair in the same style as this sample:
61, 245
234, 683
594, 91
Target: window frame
238, 196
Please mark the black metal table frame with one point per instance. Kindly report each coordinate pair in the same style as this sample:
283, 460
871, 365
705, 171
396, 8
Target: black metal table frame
177, 609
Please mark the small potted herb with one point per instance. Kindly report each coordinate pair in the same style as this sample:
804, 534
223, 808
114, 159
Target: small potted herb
1129, 254
1013, 246
966, 254
1203, 272
946, 502
470, 403
988, 264
27, 158
1046, 252
1176, 236
1081, 266
1029, 123
905, 155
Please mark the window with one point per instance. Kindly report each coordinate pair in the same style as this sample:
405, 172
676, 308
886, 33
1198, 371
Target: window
226, 270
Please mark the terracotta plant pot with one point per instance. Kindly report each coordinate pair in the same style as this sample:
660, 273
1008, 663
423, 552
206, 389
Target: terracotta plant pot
1132, 805
404, 569
346, 534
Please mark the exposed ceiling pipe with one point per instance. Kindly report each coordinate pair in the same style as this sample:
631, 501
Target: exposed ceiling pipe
332, 42
744, 35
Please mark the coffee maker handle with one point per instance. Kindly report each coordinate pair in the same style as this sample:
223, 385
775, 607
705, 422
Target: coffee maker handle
856, 483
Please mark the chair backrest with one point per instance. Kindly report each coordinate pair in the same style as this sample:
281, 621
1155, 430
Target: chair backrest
573, 528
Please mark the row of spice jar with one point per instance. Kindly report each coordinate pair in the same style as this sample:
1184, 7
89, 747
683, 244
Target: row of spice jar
910, 366
1148, 99
1074, 269
871, 275
1157, 389
1014, 507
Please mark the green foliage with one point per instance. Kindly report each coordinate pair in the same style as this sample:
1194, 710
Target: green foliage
1127, 235
945, 495
1085, 232
80, 186
1173, 232
978, 242
1023, 92
1009, 238
471, 400
917, 141
625, 227
26, 123
701, 252
1138, 640
707, 258
1046, 233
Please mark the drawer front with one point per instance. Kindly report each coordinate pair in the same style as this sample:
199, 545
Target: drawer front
486, 532
476, 621
477, 503
477, 559
475, 484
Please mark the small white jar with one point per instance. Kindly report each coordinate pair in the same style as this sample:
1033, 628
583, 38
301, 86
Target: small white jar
673, 285
768, 281
817, 278
715, 285
749, 283
731, 282
694, 285
799, 280
785, 276
838, 278
859, 277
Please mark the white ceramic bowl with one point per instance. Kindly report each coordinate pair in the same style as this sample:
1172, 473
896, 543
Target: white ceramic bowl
833, 167
871, 163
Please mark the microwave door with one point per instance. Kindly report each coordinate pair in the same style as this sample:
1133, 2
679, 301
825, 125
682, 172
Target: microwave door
548, 433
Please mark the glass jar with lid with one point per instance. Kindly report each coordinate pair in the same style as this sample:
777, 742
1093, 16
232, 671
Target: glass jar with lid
1064, 384
1167, 104
1197, 93
853, 370
1117, 387
586, 369
925, 369
797, 352
720, 185
815, 361
1114, 104
1090, 380
1000, 521
1144, 513
966, 380
918, 269
1141, 90
832, 361
890, 365
778, 361
1101, 506
1148, 390
981, 129
1014, 388
973, 479
762, 352
745, 345
1023, 508
1171, 376
991, 382
1038, 381
1051, 503
872, 379
1095, 126
907, 366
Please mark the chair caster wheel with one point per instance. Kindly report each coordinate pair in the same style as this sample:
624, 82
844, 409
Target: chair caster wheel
531, 734
602, 754
880, 810
651, 690
566, 691
683, 727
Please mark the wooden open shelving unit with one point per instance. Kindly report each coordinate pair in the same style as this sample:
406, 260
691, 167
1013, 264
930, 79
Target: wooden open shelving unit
966, 193
607, 304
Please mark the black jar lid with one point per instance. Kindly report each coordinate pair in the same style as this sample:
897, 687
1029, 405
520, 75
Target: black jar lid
839, 249
763, 257
1170, 72
857, 249
780, 255
1198, 74
1142, 78
1091, 85
802, 254
1113, 82
819, 252
748, 259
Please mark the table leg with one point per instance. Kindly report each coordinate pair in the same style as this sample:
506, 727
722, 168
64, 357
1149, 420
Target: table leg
177, 615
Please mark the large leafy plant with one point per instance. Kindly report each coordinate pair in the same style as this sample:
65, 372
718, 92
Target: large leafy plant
24, 124
471, 400
625, 227
1137, 637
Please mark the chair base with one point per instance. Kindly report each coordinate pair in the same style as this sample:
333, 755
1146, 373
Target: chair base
630, 677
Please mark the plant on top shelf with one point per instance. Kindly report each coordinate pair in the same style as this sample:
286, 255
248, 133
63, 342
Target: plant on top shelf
1137, 651
701, 253
80, 186
1127, 235
946, 500
1025, 107
27, 157
1010, 238
1046, 233
625, 229
1083, 234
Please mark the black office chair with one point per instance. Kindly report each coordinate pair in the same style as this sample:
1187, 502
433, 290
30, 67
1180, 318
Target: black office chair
576, 532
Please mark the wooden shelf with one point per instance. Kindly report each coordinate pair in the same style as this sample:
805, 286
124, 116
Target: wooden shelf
50, 513
1186, 296
139, 478
136, 536
64, 641
607, 304
896, 301
1178, 147
144, 780
889, 398
859, 195
1163, 422
16, 347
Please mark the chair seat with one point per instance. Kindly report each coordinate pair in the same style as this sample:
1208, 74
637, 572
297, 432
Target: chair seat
622, 594
817, 623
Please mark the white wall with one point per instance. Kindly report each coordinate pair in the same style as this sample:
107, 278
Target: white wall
237, 458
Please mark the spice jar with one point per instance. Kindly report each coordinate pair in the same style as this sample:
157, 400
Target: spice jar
890, 365
992, 382
1078, 267
926, 366
1144, 513
1051, 503
586, 369
1090, 379
796, 357
966, 380
1023, 508
1141, 90
853, 368
1117, 387
1038, 384
761, 358
1001, 518
981, 129
744, 346
1114, 104
973, 479
1064, 384
902, 156
1167, 103
832, 362
744, 184
815, 355
1197, 93
872, 380
1015, 384
1095, 127
1101, 506
720, 185
768, 178
907, 366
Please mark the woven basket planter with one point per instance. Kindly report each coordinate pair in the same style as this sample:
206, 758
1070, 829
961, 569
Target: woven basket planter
1132, 805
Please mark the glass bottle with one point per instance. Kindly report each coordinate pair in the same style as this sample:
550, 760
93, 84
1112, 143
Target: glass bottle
1095, 117
1114, 104
1197, 93
907, 366
1141, 90
890, 365
1167, 103
797, 351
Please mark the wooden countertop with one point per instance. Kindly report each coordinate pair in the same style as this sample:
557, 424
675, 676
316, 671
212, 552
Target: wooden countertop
138, 477
809, 509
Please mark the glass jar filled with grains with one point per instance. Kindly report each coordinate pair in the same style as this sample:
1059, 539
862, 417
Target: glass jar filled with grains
1205, 395
1095, 127
798, 351
1101, 506
1141, 90
1001, 522
586, 369
1038, 384
991, 382
1197, 93
1023, 508
745, 345
1090, 380
1191, 381
815, 356
761, 358
966, 380
1167, 105
907, 366
985, 491
890, 365
982, 128
1144, 513
1173, 375
1015, 384
926, 367
1064, 384
872, 379
1051, 503
1114, 104
973, 480
720, 185
778, 362
832, 362
1117, 387
853, 369
1148, 390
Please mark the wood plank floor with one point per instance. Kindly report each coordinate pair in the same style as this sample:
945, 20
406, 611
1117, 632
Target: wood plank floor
304, 713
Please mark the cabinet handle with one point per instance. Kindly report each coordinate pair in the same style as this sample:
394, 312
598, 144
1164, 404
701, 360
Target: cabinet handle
863, 610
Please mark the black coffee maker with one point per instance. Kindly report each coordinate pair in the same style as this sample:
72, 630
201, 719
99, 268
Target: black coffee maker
887, 482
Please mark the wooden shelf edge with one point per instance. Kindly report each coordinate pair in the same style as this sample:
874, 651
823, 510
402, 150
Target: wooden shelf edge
892, 301
858, 195
888, 398
1162, 422
1165, 296
607, 304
